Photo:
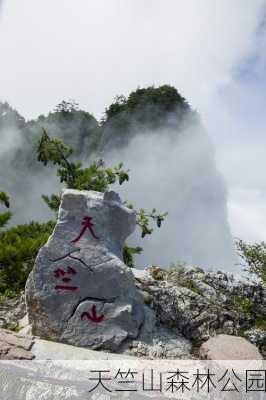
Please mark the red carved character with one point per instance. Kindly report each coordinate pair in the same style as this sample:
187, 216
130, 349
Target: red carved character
61, 274
64, 287
93, 316
87, 225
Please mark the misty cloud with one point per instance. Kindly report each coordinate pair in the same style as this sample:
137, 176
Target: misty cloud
176, 172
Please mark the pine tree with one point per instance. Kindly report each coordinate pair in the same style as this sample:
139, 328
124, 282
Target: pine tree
4, 216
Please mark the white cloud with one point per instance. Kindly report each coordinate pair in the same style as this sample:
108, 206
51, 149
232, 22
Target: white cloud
247, 210
94, 50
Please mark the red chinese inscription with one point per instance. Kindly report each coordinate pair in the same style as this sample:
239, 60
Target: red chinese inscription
64, 287
93, 315
87, 225
60, 273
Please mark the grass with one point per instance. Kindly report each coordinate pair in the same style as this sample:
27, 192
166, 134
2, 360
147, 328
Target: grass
260, 324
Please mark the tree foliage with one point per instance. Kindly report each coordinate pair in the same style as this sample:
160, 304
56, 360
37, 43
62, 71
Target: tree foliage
254, 256
164, 99
18, 249
4, 216
75, 127
72, 174
151, 110
129, 253
66, 106
144, 218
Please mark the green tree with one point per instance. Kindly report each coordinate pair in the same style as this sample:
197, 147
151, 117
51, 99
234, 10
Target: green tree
163, 99
254, 256
151, 111
66, 106
19, 247
96, 177
4, 216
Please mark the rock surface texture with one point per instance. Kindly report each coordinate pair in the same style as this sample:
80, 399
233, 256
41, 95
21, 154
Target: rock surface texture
11, 311
258, 337
200, 304
226, 347
14, 346
80, 292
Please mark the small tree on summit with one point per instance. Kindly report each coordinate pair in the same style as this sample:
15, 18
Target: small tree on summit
66, 106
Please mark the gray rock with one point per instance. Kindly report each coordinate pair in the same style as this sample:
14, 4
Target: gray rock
24, 326
203, 304
143, 275
11, 311
80, 292
258, 337
158, 341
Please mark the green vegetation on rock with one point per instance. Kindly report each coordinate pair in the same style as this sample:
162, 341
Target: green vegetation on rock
260, 324
244, 305
254, 256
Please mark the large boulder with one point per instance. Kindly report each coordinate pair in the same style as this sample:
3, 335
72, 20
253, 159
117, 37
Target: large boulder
80, 292
226, 347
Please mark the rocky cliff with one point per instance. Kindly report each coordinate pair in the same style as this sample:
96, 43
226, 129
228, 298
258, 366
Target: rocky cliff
80, 292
